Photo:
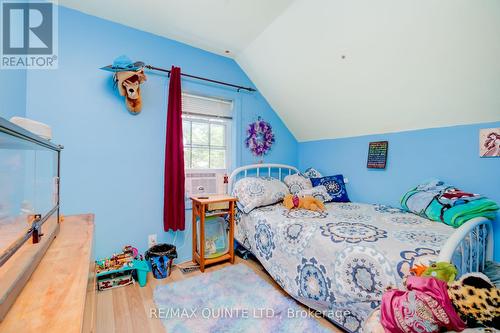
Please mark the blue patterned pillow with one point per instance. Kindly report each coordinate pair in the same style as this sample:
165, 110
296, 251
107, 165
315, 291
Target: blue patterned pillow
334, 185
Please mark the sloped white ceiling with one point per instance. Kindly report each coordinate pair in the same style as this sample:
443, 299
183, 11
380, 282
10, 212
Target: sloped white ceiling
408, 65
213, 25
340, 68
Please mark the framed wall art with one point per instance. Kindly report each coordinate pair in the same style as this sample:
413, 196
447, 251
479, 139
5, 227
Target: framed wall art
489, 142
377, 155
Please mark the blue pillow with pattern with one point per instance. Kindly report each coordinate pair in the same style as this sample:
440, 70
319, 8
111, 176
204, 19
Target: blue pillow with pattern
335, 186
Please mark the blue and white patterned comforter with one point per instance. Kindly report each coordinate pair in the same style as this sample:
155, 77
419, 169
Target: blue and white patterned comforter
339, 261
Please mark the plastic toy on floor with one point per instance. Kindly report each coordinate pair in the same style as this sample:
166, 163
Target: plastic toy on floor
118, 269
307, 202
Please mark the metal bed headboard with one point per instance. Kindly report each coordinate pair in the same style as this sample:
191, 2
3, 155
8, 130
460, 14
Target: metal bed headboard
282, 171
473, 242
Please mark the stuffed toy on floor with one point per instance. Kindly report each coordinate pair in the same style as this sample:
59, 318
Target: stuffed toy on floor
440, 270
306, 202
476, 300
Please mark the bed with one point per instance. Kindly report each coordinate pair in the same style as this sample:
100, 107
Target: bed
339, 261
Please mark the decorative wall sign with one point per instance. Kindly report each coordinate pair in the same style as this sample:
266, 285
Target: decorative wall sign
260, 137
377, 155
489, 142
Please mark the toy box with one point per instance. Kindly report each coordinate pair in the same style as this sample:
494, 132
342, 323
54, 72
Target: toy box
119, 269
111, 281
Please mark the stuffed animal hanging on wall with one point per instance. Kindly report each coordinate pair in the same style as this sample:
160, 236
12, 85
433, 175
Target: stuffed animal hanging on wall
128, 77
128, 84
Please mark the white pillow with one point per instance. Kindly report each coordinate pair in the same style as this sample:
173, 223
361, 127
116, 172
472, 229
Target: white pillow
311, 173
319, 192
297, 183
253, 192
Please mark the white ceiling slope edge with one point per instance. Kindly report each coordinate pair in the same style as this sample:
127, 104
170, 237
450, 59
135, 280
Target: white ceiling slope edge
338, 68
408, 65
212, 25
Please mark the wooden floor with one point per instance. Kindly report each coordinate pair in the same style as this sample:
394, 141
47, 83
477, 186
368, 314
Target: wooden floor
127, 309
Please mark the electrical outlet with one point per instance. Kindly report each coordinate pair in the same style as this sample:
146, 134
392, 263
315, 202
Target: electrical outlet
151, 240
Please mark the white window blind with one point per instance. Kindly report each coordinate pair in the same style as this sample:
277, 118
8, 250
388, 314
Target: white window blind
206, 106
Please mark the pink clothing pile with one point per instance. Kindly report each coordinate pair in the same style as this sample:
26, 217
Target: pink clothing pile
423, 307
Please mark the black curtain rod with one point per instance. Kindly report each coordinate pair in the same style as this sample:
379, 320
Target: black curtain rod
200, 78
153, 68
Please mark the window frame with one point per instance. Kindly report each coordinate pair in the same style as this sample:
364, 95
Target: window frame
209, 119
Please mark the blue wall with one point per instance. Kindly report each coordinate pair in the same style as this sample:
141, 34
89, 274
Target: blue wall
12, 93
112, 164
449, 153
13, 103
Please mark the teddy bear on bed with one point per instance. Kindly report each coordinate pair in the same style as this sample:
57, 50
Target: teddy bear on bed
433, 302
305, 202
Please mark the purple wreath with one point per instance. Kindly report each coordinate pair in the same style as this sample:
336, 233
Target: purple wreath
260, 137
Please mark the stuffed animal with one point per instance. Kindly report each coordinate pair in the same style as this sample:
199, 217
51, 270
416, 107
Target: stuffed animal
418, 269
128, 83
476, 300
306, 202
442, 270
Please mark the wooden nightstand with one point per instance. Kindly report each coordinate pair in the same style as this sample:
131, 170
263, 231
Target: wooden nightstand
202, 206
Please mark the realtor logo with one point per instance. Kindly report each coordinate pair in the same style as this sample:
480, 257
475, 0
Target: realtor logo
29, 35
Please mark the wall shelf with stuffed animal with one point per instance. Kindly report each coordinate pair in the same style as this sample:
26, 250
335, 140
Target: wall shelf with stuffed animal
128, 77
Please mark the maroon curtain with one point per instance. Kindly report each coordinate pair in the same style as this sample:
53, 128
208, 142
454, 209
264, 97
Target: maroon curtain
173, 201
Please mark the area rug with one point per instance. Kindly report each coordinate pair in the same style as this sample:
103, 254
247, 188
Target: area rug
232, 299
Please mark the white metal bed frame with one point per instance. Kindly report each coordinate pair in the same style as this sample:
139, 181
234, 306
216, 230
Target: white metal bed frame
468, 236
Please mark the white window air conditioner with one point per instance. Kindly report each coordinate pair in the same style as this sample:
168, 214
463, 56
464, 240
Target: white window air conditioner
204, 182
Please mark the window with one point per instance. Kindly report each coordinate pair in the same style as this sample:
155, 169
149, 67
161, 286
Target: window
206, 128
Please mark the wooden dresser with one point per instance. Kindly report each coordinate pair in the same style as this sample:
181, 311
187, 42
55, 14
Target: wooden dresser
60, 295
